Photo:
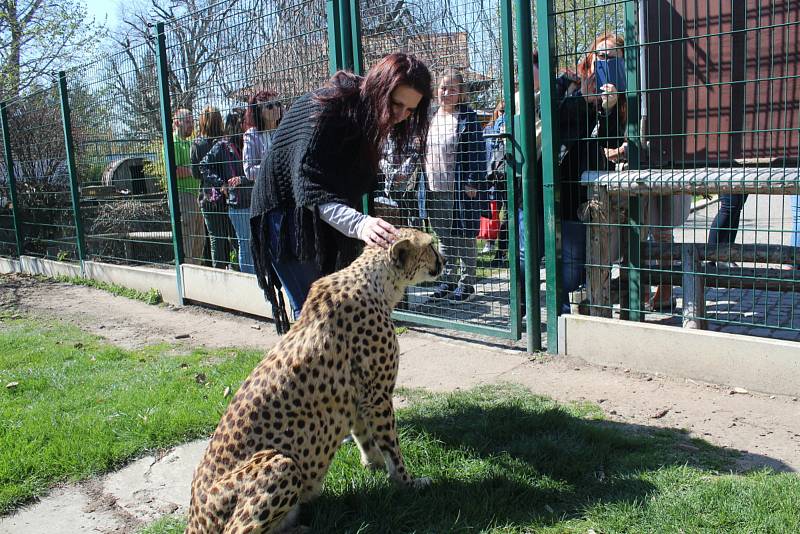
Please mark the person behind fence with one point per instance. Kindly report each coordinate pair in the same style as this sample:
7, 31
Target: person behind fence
588, 121
455, 168
262, 116
193, 234
496, 176
324, 158
211, 197
222, 172
401, 173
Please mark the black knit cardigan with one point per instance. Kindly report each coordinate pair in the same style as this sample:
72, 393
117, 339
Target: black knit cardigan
317, 156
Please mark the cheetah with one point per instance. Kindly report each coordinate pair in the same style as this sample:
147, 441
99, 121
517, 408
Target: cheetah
331, 375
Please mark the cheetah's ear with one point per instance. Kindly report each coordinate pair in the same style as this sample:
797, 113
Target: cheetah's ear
400, 251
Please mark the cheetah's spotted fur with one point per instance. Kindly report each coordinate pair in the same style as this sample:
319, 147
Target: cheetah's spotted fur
333, 374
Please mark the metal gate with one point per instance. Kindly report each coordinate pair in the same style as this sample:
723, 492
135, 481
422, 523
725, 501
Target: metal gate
475, 40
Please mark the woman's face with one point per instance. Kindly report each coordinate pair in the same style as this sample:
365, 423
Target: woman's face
449, 93
605, 50
271, 113
404, 100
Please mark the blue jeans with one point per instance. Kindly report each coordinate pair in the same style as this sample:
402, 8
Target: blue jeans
573, 254
240, 218
796, 224
296, 277
726, 223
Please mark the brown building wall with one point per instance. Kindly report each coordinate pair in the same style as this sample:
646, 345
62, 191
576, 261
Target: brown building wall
724, 77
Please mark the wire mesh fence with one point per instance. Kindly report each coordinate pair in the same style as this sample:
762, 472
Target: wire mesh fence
447, 185
38, 153
116, 131
674, 130
8, 239
226, 106
679, 160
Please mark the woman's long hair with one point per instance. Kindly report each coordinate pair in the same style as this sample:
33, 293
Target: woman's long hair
367, 102
211, 123
233, 129
253, 117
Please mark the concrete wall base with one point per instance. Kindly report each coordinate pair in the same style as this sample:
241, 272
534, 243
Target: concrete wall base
224, 288
756, 364
138, 278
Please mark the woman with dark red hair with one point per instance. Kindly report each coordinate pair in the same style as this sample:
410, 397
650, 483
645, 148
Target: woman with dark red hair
262, 116
304, 216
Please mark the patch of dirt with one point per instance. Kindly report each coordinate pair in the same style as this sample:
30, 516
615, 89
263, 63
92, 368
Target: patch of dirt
764, 427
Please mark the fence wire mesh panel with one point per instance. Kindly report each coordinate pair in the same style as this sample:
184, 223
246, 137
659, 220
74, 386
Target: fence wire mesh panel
116, 129
678, 126
8, 240
226, 103
42, 179
453, 184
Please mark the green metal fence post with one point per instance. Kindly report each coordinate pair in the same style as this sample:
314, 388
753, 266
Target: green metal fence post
530, 193
334, 36
346, 34
169, 155
552, 219
634, 147
66, 121
355, 37
352, 56
507, 53
12, 182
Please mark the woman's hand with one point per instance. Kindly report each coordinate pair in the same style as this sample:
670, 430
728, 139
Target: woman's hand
377, 232
615, 155
589, 88
470, 191
235, 181
609, 96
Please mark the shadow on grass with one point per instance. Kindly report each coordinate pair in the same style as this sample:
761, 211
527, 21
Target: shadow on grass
509, 460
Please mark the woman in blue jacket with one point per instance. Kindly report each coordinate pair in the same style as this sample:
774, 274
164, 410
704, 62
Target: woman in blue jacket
457, 192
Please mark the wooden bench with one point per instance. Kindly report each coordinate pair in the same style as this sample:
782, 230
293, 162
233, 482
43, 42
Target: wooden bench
607, 188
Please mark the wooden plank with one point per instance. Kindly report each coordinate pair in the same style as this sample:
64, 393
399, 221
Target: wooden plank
694, 294
598, 251
734, 278
752, 180
734, 252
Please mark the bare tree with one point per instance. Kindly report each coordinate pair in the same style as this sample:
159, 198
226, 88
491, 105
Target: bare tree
196, 50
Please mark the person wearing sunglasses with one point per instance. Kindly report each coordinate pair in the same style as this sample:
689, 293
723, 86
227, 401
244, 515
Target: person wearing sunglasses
261, 118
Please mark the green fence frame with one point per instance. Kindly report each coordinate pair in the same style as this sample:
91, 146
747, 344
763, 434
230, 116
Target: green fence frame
169, 155
346, 49
12, 183
74, 188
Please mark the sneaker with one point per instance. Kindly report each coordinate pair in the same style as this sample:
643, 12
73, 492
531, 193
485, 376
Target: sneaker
487, 248
442, 290
463, 293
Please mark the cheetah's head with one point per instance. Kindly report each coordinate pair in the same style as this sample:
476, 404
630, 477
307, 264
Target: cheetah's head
415, 256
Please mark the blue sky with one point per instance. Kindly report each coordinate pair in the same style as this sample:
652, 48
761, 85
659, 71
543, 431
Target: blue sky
100, 8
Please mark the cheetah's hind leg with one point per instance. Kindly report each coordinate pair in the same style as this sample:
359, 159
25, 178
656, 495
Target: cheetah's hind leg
267, 494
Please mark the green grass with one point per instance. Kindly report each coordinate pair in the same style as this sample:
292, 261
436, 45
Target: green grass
151, 296
82, 407
502, 459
